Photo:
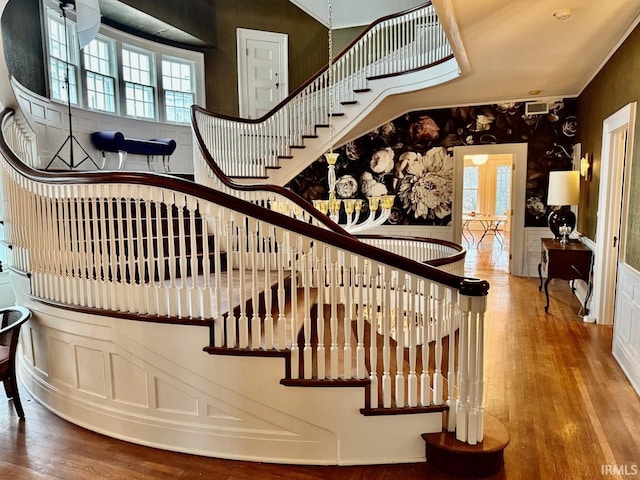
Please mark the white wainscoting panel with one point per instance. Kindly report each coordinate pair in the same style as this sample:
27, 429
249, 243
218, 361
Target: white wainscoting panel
532, 249
626, 324
151, 384
49, 121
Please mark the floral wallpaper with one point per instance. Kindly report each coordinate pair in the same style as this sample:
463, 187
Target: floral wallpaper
412, 157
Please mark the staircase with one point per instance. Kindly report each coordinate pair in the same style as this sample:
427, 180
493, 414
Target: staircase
404, 52
279, 302
131, 276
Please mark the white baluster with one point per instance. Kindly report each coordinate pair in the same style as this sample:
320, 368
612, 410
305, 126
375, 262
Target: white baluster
425, 314
230, 319
385, 283
398, 316
462, 407
321, 285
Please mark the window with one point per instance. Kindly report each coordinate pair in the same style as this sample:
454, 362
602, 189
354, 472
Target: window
177, 84
99, 75
487, 188
137, 67
61, 67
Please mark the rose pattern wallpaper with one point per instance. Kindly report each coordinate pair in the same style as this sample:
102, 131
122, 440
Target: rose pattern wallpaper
411, 157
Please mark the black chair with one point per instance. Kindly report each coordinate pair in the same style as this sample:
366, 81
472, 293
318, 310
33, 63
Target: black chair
11, 319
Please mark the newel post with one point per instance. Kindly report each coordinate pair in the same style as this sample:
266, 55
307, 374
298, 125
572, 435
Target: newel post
472, 303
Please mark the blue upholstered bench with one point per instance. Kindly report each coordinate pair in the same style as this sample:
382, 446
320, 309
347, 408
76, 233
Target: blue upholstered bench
107, 141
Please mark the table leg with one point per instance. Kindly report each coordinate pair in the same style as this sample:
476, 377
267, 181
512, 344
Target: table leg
587, 297
466, 225
486, 225
540, 274
546, 292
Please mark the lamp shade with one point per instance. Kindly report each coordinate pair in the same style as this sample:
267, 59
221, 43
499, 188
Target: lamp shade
564, 188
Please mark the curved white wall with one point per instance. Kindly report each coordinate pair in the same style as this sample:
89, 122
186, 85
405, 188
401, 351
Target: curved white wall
49, 121
152, 384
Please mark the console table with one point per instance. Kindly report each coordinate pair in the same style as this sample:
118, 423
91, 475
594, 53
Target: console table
570, 261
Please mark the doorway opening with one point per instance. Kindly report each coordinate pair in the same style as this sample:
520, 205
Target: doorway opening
486, 210
503, 201
617, 145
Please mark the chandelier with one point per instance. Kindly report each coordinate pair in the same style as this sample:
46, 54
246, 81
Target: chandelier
347, 212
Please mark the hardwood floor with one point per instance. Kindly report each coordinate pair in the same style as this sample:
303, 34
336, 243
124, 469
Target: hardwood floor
550, 378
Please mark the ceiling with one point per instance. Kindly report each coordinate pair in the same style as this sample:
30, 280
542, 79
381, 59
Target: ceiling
353, 13
514, 47
506, 48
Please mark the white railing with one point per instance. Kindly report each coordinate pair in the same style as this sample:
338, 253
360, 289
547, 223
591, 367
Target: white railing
445, 255
407, 42
144, 244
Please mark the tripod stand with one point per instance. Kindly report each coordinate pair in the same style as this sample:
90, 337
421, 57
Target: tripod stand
71, 139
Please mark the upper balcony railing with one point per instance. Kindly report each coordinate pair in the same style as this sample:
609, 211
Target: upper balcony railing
394, 45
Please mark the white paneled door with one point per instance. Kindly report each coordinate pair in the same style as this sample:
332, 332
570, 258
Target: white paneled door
262, 71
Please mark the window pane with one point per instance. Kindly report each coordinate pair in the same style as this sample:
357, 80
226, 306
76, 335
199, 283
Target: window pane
139, 100
58, 59
503, 189
99, 76
470, 200
136, 67
100, 92
58, 73
178, 106
470, 191
177, 81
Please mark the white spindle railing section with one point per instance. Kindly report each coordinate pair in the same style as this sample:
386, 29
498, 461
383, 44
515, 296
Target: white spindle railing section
394, 45
275, 198
142, 244
445, 255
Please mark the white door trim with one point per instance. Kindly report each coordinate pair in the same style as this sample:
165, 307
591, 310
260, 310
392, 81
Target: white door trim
518, 196
611, 207
242, 36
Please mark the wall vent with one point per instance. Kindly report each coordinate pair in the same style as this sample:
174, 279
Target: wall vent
536, 108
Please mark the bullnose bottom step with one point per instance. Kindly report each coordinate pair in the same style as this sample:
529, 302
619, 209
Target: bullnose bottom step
458, 459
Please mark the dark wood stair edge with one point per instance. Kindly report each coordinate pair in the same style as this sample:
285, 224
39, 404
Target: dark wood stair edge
250, 352
325, 382
372, 412
460, 459
208, 322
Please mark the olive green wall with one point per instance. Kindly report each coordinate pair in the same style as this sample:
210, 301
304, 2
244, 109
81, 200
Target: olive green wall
308, 46
342, 37
615, 86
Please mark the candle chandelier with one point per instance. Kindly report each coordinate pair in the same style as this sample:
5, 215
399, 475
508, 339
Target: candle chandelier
354, 215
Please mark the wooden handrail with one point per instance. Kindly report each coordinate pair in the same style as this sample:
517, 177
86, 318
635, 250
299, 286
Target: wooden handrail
165, 249
398, 44
471, 286
259, 187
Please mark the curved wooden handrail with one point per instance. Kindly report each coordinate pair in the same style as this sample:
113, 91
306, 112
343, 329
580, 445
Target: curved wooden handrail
255, 187
470, 286
436, 262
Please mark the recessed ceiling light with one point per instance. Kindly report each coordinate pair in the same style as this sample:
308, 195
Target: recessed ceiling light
534, 92
563, 13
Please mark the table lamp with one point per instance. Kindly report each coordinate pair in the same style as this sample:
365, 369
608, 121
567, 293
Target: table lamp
564, 190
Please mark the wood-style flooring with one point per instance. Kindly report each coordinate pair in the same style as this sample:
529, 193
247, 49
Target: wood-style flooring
550, 378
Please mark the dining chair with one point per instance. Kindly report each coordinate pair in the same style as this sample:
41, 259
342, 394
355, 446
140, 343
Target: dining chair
11, 319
